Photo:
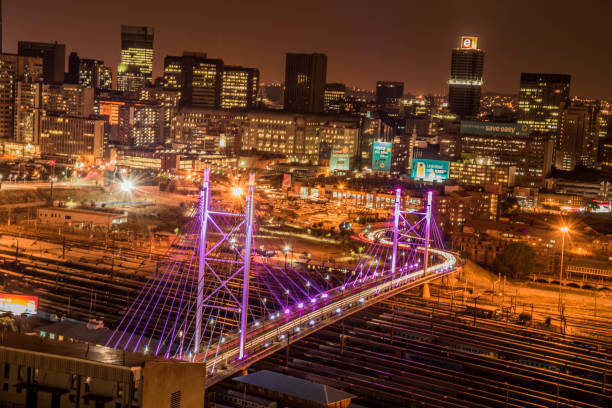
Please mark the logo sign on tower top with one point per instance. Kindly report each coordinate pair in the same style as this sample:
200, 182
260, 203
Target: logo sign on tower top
469, 43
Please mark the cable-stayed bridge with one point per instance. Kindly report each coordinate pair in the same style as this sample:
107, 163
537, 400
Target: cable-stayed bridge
221, 301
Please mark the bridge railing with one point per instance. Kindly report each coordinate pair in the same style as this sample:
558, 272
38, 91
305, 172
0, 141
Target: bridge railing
262, 336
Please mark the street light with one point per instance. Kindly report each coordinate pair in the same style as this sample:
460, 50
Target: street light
236, 191
564, 230
286, 249
127, 186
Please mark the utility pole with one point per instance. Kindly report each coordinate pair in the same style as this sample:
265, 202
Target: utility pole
52, 164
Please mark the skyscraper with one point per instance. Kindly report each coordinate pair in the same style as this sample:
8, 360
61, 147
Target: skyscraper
305, 76
240, 87
198, 79
52, 54
540, 98
94, 74
72, 76
136, 67
14, 68
465, 83
389, 95
577, 141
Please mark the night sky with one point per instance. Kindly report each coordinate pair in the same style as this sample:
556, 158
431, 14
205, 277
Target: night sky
365, 41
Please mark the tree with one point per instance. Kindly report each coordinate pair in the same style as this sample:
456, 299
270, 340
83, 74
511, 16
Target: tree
515, 261
510, 206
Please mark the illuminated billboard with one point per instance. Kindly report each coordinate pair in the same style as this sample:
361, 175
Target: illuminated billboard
493, 128
429, 170
18, 304
340, 158
381, 156
469, 43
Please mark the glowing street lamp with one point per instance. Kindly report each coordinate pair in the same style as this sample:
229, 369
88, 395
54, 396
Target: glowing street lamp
236, 191
286, 249
126, 186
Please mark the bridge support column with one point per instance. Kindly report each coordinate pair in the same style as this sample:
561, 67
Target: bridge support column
247, 264
204, 199
425, 291
427, 231
398, 197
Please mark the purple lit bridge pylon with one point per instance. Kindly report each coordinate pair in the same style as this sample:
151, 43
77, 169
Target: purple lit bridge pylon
221, 300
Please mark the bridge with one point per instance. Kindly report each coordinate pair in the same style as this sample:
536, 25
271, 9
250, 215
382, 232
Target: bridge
220, 300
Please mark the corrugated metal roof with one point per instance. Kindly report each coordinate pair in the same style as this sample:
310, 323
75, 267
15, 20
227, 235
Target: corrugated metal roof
295, 387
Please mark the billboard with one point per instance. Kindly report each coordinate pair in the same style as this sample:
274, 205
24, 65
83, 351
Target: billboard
429, 170
469, 42
340, 158
286, 180
381, 156
18, 304
497, 129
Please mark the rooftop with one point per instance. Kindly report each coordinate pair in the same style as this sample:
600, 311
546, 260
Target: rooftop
98, 354
296, 387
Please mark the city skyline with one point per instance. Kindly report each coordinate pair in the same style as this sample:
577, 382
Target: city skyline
380, 45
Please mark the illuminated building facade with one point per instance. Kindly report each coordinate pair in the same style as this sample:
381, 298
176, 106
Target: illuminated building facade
509, 144
577, 142
94, 74
478, 172
604, 153
168, 101
240, 87
305, 78
139, 124
334, 97
273, 133
213, 131
465, 83
136, 67
198, 79
452, 211
70, 99
72, 138
540, 98
53, 56
14, 68
389, 95
27, 112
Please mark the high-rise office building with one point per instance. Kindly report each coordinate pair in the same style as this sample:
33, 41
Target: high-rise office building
509, 144
577, 141
465, 83
240, 87
72, 76
52, 54
14, 68
68, 99
136, 67
89, 73
540, 98
73, 137
334, 97
198, 79
27, 112
94, 74
305, 78
389, 95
